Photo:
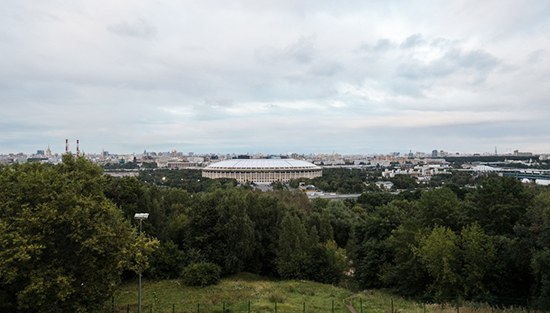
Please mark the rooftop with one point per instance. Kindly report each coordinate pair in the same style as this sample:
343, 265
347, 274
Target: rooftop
262, 163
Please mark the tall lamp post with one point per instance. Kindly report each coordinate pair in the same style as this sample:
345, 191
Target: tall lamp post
140, 217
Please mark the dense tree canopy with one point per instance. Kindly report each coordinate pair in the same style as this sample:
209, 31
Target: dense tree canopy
67, 232
63, 244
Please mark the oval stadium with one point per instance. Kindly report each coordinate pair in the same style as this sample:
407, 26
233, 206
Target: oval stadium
262, 170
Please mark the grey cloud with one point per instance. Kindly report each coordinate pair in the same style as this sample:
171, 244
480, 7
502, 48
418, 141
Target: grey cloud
453, 61
327, 69
140, 29
477, 59
302, 52
413, 41
381, 46
404, 87
63, 74
218, 102
537, 56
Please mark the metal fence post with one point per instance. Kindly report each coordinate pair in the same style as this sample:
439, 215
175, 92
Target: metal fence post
332, 306
391, 305
248, 306
128, 308
173, 307
304, 310
198, 307
457, 309
361, 303
424, 307
223, 307
528, 309
275, 306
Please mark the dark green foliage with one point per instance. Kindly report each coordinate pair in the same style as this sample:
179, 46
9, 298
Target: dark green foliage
484, 241
373, 252
439, 207
63, 244
328, 263
266, 213
375, 199
167, 262
403, 182
491, 240
339, 180
293, 260
499, 205
341, 219
220, 228
404, 271
187, 179
201, 274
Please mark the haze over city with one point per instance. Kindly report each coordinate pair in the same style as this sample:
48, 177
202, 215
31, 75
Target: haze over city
275, 76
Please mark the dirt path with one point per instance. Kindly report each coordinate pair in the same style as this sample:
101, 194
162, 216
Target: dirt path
350, 305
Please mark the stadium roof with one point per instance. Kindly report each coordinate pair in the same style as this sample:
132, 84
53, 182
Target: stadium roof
262, 163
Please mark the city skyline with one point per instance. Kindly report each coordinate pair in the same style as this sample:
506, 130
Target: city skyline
354, 77
75, 148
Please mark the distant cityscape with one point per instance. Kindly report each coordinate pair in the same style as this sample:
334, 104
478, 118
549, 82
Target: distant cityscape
177, 159
164, 159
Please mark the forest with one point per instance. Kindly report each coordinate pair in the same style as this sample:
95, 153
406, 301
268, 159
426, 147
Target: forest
68, 236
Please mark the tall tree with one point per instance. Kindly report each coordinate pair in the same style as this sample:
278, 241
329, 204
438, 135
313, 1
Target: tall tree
63, 244
439, 253
292, 253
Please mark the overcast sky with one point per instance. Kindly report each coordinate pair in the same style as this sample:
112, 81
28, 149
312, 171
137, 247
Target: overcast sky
275, 76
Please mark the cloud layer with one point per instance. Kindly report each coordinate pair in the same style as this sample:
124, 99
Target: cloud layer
275, 76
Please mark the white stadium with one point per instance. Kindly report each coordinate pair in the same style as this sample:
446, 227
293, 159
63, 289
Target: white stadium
262, 170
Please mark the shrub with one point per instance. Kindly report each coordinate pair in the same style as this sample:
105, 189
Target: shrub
201, 274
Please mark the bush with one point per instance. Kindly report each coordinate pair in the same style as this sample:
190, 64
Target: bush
201, 274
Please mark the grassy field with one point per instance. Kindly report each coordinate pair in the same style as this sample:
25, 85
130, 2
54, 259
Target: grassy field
236, 292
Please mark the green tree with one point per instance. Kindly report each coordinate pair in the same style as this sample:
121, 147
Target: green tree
478, 254
266, 213
292, 254
341, 219
439, 207
63, 244
372, 251
439, 253
498, 204
221, 230
405, 272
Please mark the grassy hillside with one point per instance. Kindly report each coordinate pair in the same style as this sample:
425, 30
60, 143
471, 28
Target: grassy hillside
236, 292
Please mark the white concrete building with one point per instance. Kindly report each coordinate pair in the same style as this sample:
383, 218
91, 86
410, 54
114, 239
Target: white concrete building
262, 170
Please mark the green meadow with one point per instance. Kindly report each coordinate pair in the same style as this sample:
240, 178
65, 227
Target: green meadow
236, 293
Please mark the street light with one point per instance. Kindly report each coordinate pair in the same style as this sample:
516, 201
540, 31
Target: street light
140, 217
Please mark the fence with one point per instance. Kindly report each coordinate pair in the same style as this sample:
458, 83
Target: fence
360, 304
222, 308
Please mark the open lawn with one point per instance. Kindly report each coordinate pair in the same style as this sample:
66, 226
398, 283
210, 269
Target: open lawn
265, 295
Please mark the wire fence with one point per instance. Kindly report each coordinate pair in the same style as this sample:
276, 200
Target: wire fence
359, 304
